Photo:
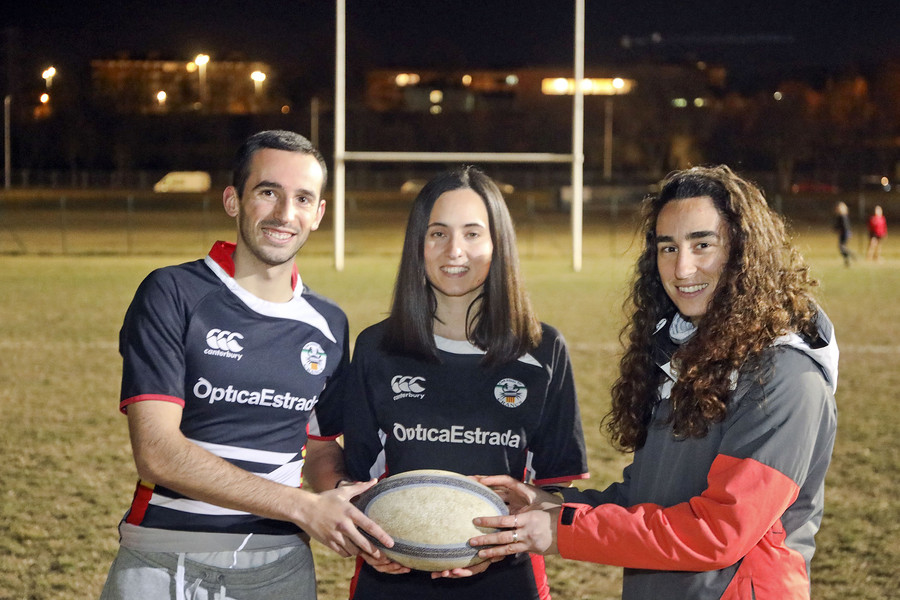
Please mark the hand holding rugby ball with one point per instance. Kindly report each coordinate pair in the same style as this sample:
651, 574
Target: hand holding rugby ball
429, 514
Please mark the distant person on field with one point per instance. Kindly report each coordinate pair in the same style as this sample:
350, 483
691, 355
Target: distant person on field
877, 232
725, 396
842, 226
464, 359
225, 367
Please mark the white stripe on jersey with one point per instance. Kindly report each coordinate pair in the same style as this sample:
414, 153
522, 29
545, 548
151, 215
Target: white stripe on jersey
529, 469
298, 309
247, 454
288, 474
193, 506
379, 467
464, 347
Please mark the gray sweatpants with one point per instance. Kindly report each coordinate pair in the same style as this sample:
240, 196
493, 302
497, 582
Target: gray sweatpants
282, 574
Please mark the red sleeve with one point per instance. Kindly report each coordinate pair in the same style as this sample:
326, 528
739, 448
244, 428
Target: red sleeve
743, 499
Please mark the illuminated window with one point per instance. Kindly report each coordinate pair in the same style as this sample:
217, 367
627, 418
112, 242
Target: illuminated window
561, 86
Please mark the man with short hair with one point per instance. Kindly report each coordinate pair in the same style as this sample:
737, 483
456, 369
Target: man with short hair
225, 362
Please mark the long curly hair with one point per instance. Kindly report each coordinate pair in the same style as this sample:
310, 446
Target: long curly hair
762, 293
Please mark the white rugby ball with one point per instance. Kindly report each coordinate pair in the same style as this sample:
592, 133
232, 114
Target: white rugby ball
429, 515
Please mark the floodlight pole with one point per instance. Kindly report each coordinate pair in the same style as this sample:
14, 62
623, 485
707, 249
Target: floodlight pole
578, 141
7, 155
339, 133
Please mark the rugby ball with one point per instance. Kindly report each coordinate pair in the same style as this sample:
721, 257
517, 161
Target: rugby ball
429, 515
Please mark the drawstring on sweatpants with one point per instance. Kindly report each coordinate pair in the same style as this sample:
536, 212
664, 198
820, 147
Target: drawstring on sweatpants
233, 565
241, 547
179, 581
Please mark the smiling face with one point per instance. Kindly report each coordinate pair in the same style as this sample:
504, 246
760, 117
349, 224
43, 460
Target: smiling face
279, 208
691, 252
458, 246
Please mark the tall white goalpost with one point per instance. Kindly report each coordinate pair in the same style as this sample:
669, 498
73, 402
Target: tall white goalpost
342, 156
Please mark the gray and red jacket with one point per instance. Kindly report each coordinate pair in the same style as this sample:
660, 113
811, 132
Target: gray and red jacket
733, 514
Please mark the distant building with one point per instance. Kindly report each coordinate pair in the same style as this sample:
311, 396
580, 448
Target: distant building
149, 86
436, 91
638, 118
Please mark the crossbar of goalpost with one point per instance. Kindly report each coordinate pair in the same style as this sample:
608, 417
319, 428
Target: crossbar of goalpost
341, 155
496, 157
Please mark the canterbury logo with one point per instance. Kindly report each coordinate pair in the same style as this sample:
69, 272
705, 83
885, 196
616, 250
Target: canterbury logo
406, 384
219, 339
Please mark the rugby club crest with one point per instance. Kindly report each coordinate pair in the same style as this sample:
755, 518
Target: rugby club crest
313, 358
510, 392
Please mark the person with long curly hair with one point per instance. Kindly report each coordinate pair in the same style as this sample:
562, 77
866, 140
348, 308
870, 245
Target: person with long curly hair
726, 398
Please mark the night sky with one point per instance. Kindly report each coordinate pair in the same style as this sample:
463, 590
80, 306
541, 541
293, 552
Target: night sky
780, 35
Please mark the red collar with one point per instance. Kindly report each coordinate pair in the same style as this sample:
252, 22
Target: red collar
223, 254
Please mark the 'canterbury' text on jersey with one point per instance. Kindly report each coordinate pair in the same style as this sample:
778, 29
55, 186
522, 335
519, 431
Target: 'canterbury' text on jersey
248, 373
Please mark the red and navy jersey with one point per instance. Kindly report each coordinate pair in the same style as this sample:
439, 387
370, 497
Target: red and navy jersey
520, 419
248, 373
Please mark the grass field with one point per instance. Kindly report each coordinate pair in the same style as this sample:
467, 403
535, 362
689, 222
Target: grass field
66, 474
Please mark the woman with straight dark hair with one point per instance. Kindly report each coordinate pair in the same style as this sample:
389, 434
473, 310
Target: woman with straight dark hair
461, 377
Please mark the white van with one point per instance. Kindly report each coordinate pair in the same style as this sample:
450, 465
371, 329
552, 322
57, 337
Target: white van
184, 181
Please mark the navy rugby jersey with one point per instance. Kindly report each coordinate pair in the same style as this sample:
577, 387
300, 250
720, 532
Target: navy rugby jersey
520, 418
247, 372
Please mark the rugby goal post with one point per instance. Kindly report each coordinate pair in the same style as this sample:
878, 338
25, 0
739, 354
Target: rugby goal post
342, 156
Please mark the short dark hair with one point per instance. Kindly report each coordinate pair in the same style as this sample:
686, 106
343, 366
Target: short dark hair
505, 326
275, 139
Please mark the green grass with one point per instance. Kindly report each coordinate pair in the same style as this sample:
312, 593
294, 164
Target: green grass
66, 474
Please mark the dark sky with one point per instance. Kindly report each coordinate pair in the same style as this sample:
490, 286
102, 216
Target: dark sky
784, 34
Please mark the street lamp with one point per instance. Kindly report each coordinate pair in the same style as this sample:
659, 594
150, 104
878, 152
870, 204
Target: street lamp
201, 61
48, 75
258, 77
161, 98
7, 153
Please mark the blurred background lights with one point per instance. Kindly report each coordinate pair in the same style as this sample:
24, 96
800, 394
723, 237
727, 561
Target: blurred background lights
48, 75
405, 79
